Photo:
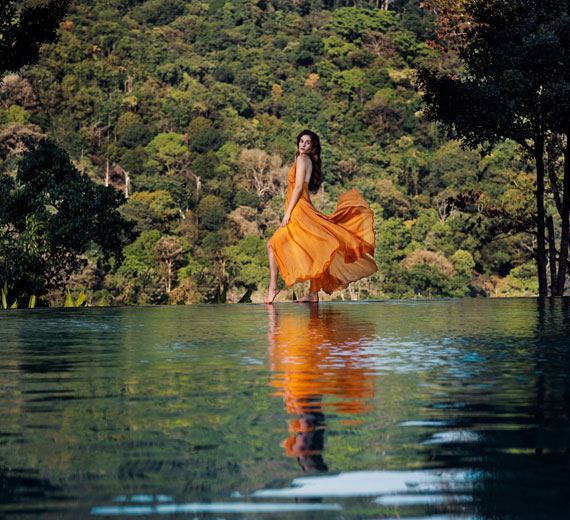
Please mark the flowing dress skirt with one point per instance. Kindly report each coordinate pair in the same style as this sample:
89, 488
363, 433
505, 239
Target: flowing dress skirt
330, 251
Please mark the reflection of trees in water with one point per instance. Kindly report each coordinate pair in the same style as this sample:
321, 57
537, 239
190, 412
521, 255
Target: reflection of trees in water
516, 434
315, 356
23, 486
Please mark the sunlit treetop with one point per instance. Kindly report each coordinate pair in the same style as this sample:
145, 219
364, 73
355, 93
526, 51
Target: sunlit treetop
452, 23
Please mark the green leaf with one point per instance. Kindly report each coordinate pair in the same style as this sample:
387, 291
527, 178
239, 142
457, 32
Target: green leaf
32, 302
80, 299
14, 305
69, 300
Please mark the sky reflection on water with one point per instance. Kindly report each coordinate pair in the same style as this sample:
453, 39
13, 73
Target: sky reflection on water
439, 410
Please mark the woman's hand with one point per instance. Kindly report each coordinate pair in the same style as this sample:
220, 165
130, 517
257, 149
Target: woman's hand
286, 219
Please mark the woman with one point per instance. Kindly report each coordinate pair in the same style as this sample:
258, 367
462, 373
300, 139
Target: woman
330, 251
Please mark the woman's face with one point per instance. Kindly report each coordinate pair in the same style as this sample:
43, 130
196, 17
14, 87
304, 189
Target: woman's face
305, 144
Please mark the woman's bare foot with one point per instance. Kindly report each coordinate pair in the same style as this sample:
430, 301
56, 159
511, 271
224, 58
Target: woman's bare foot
309, 298
271, 294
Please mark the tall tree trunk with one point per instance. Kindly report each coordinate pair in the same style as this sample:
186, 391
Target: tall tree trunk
169, 277
552, 255
107, 173
127, 182
565, 225
540, 217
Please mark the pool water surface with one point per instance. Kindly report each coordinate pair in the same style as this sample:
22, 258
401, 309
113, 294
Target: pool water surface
402, 409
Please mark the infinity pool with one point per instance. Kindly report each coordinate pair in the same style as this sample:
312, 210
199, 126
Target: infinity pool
451, 409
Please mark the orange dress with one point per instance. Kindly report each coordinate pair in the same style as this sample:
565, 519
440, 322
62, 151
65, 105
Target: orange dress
330, 251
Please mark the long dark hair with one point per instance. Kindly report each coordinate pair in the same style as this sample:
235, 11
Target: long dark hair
315, 156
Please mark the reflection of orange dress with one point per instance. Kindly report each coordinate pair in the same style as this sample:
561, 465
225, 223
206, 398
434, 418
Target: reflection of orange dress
330, 251
322, 354
319, 363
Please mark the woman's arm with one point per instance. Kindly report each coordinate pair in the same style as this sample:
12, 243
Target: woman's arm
300, 172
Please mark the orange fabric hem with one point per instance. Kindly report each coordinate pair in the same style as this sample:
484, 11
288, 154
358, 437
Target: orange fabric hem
366, 249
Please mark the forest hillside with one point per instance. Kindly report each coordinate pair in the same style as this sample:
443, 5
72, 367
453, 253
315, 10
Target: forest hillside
191, 110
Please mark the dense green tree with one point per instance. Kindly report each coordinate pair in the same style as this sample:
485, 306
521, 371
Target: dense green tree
131, 132
211, 213
206, 140
247, 263
310, 46
151, 210
164, 150
515, 85
247, 198
159, 12
23, 29
50, 215
391, 240
134, 160
140, 254
206, 165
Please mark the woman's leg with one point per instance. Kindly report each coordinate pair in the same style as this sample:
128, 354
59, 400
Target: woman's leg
312, 297
273, 290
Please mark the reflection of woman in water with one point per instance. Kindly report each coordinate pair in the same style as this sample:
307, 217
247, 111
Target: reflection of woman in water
330, 251
312, 357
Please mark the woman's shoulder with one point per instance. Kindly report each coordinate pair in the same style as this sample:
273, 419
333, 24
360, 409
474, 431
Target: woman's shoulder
303, 161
